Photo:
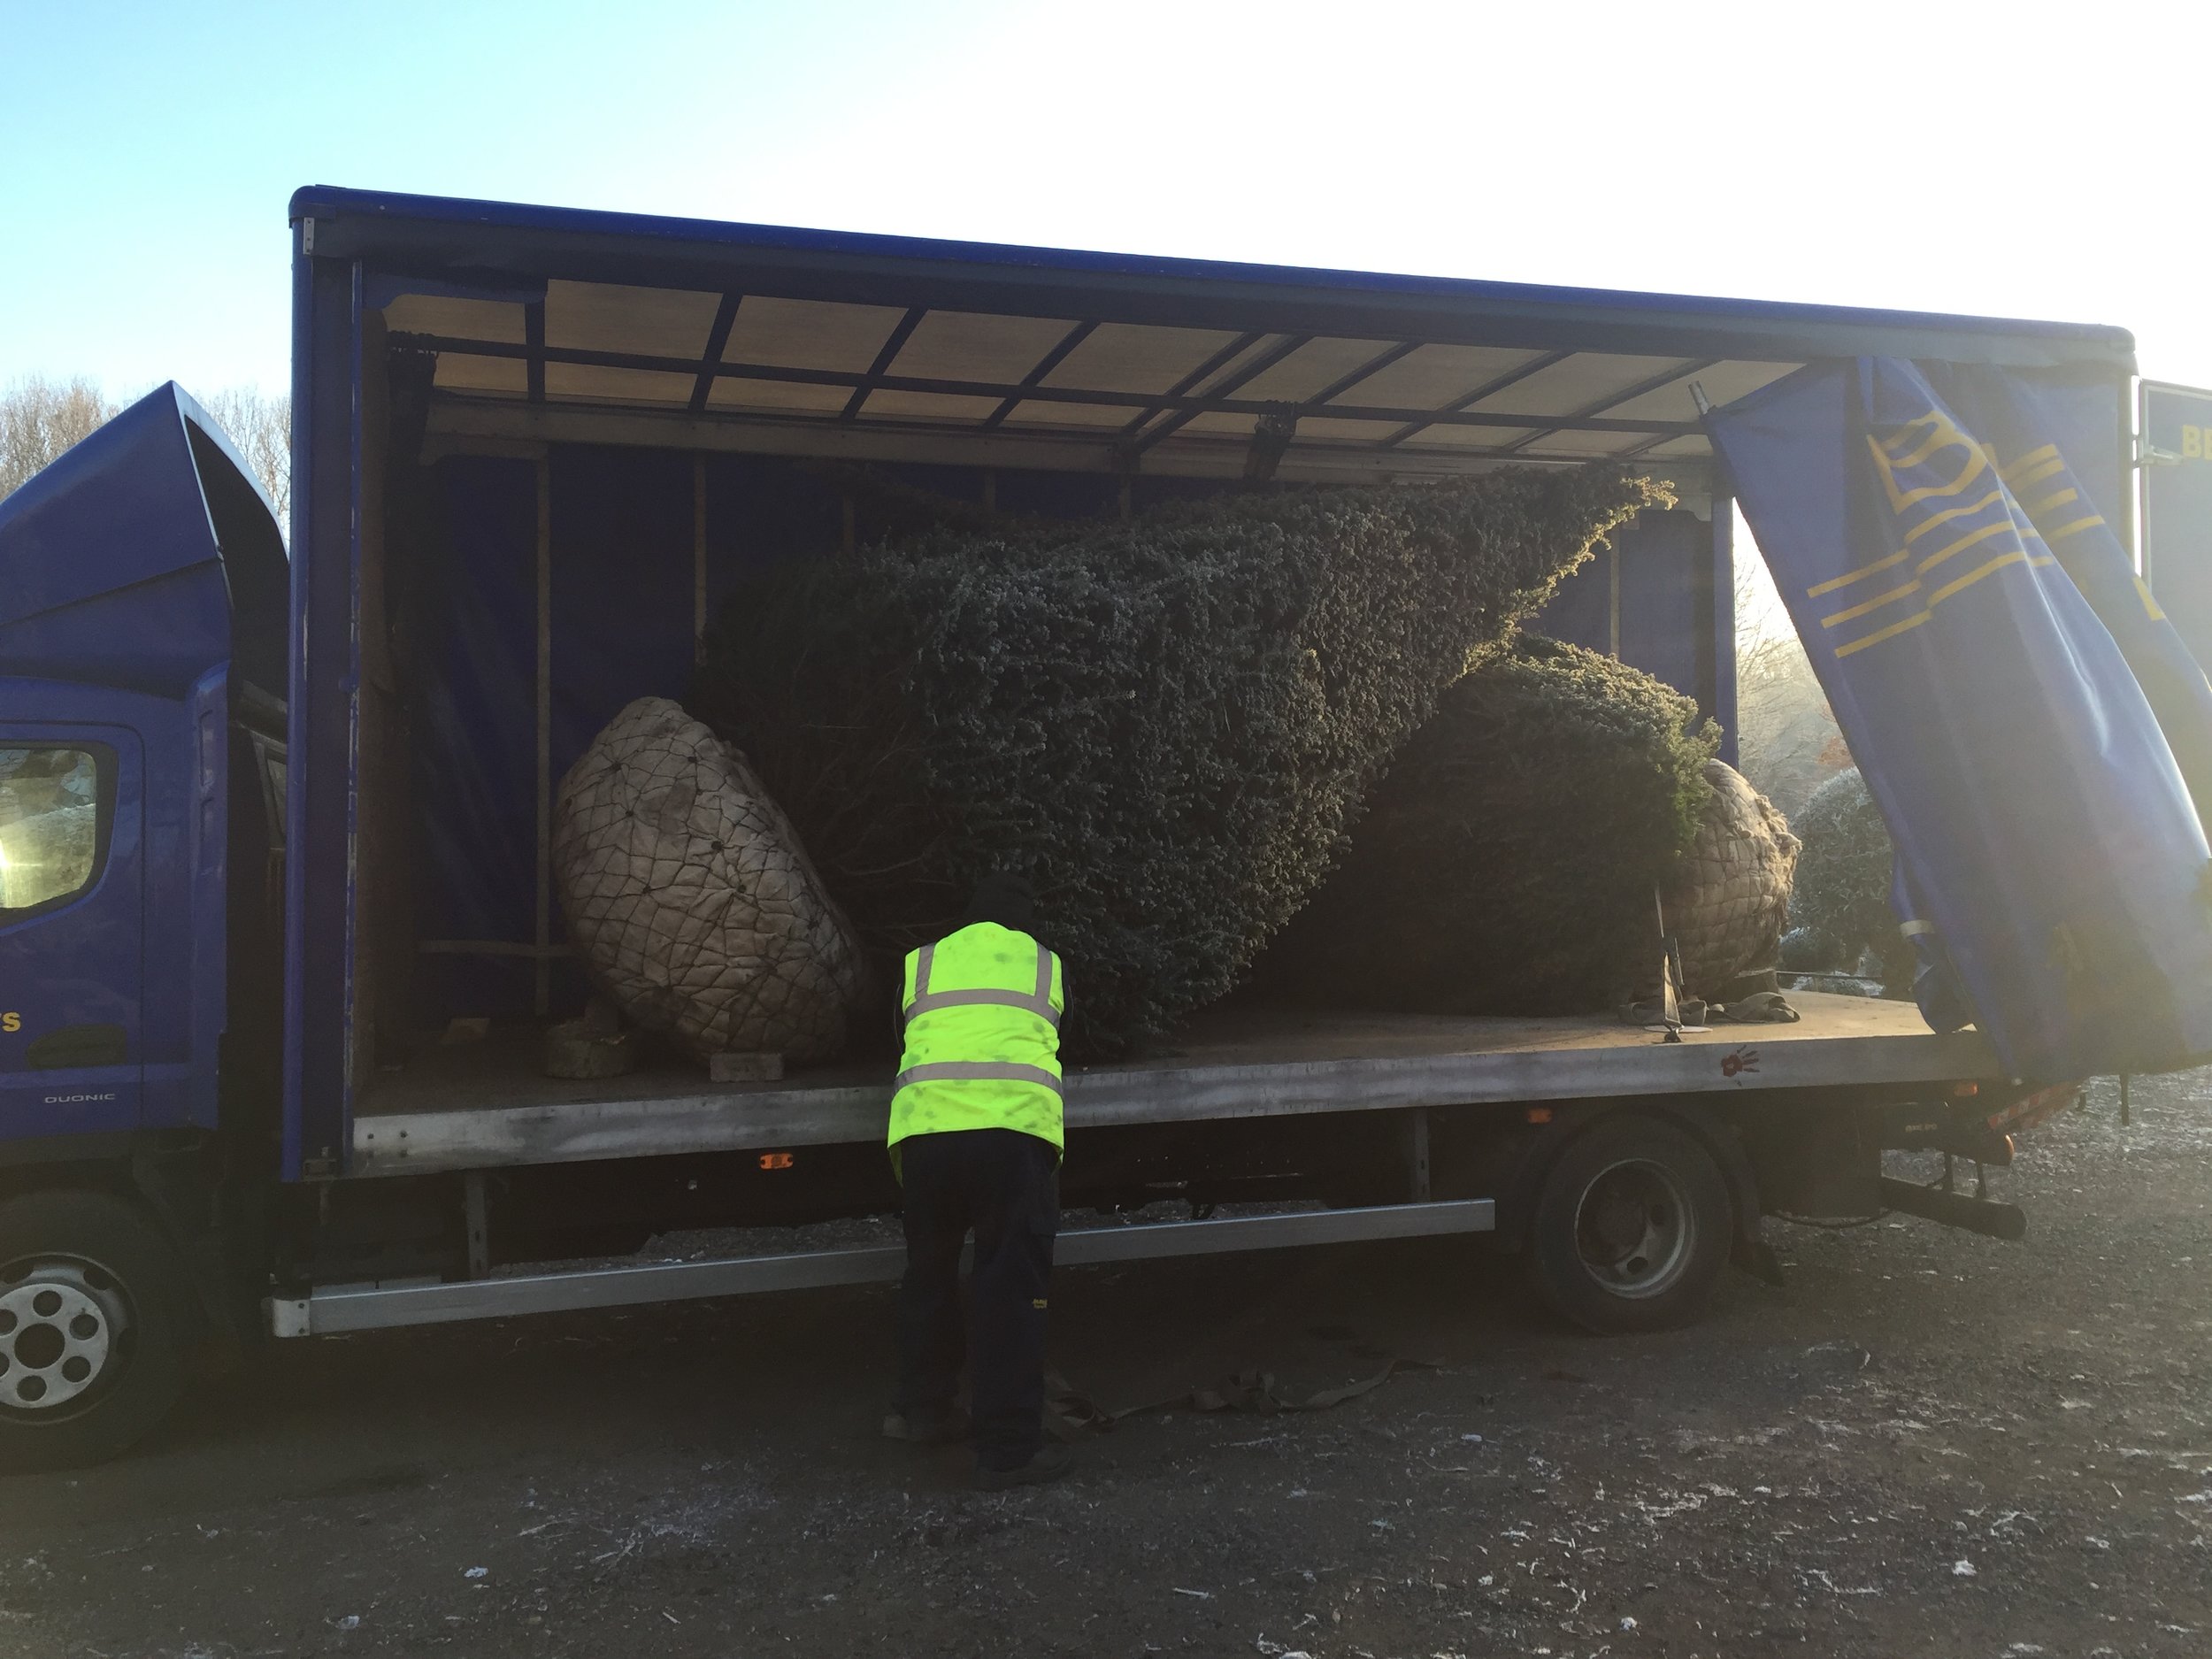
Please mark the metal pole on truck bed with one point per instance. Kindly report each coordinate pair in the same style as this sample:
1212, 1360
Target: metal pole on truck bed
542, 982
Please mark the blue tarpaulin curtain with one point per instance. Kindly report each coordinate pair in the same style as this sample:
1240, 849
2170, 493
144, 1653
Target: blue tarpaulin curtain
2038, 423
1979, 632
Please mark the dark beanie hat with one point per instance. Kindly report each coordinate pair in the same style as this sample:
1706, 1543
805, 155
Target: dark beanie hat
1003, 897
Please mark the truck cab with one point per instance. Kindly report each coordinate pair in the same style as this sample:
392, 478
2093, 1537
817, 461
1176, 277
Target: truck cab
142, 596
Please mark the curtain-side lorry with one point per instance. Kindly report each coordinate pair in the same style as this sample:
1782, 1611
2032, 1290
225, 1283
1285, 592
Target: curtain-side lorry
271, 823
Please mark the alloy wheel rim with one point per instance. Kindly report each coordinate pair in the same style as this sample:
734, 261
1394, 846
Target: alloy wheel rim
1635, 1229
65, 1336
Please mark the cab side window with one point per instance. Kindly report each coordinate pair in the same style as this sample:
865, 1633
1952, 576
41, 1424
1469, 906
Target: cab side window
53, 808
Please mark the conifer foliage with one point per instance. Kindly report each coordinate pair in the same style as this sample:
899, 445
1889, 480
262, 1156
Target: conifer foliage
1169, 724
1508, 863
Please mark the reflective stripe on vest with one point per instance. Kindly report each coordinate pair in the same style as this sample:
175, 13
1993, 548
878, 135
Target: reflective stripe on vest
982, 1037
1038, 1003
977, 1071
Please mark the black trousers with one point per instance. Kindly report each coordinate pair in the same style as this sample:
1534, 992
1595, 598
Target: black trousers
1005, 1186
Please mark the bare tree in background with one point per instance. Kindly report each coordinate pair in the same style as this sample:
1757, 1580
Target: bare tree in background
39, 419
261, 428
1786, 741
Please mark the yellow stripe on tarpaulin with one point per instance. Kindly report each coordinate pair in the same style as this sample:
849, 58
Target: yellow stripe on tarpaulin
1989, 569
1860, 574
2001, 562
1899, 500
1879, 634
2061, 499
1931, 421
1875, 603
2150, 600
2075, 528
1968, 541
1950, 513
2049, 469
1942, 435
2032, 458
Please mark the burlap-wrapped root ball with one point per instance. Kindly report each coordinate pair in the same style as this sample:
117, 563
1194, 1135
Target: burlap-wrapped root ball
1509, 862
690, 901
1729, 899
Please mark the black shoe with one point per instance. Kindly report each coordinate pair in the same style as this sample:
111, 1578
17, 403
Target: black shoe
1052, 1461
939, 1427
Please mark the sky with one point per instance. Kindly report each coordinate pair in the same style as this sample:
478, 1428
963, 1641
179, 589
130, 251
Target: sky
2026, 162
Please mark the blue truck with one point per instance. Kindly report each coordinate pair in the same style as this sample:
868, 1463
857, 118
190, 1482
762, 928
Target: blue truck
277, 933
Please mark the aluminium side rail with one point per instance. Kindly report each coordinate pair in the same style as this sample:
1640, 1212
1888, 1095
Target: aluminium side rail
341, 1308
768, 1117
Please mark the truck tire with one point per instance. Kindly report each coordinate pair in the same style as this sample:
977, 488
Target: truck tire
93, 1310
1631, 1227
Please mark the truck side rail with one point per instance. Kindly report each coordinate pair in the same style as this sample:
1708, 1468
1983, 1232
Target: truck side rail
340, 1307
761, 1116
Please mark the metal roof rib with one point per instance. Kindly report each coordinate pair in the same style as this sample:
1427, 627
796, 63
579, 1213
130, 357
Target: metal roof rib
1215, 361
1342, 384
718, 341
1496, 383
892, 347
1181, 407
1613, 400
1169, 424
1647, 446
533, 348
1051, 361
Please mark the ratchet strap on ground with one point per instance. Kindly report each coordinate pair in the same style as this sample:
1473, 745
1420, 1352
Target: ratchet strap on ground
1072, 1414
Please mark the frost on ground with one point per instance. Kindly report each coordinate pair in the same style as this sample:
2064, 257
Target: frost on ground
1928, 1442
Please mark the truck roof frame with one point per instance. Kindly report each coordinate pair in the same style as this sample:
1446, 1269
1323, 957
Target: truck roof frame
467, 240
550, 325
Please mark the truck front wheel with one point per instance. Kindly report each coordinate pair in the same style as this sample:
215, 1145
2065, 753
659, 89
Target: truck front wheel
1631, 1227
92, 1309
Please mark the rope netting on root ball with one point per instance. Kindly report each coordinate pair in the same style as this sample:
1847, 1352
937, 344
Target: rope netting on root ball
690, 901
1168, 725
1508, 862
1728, 898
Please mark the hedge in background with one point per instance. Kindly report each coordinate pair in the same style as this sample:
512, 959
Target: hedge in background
1169, 724
1842, 896
1508, 863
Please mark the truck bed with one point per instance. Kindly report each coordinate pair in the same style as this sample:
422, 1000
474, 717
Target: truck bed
485, 1104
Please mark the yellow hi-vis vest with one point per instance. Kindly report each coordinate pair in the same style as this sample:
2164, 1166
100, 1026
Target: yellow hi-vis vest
982, 1011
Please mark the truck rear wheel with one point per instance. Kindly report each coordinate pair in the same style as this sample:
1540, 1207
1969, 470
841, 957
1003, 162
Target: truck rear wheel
92, 1310
1631, 1227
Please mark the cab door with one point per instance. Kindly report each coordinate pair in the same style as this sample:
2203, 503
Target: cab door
71, 929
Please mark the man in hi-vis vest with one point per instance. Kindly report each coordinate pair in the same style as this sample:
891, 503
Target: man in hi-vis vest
976, 1139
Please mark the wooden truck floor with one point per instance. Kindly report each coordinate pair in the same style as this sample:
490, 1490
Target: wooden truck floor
485, 1105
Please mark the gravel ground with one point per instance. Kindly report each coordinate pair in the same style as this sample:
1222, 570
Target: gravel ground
1929, 1442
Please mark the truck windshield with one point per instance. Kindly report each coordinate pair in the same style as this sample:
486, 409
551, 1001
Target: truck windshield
49, 808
